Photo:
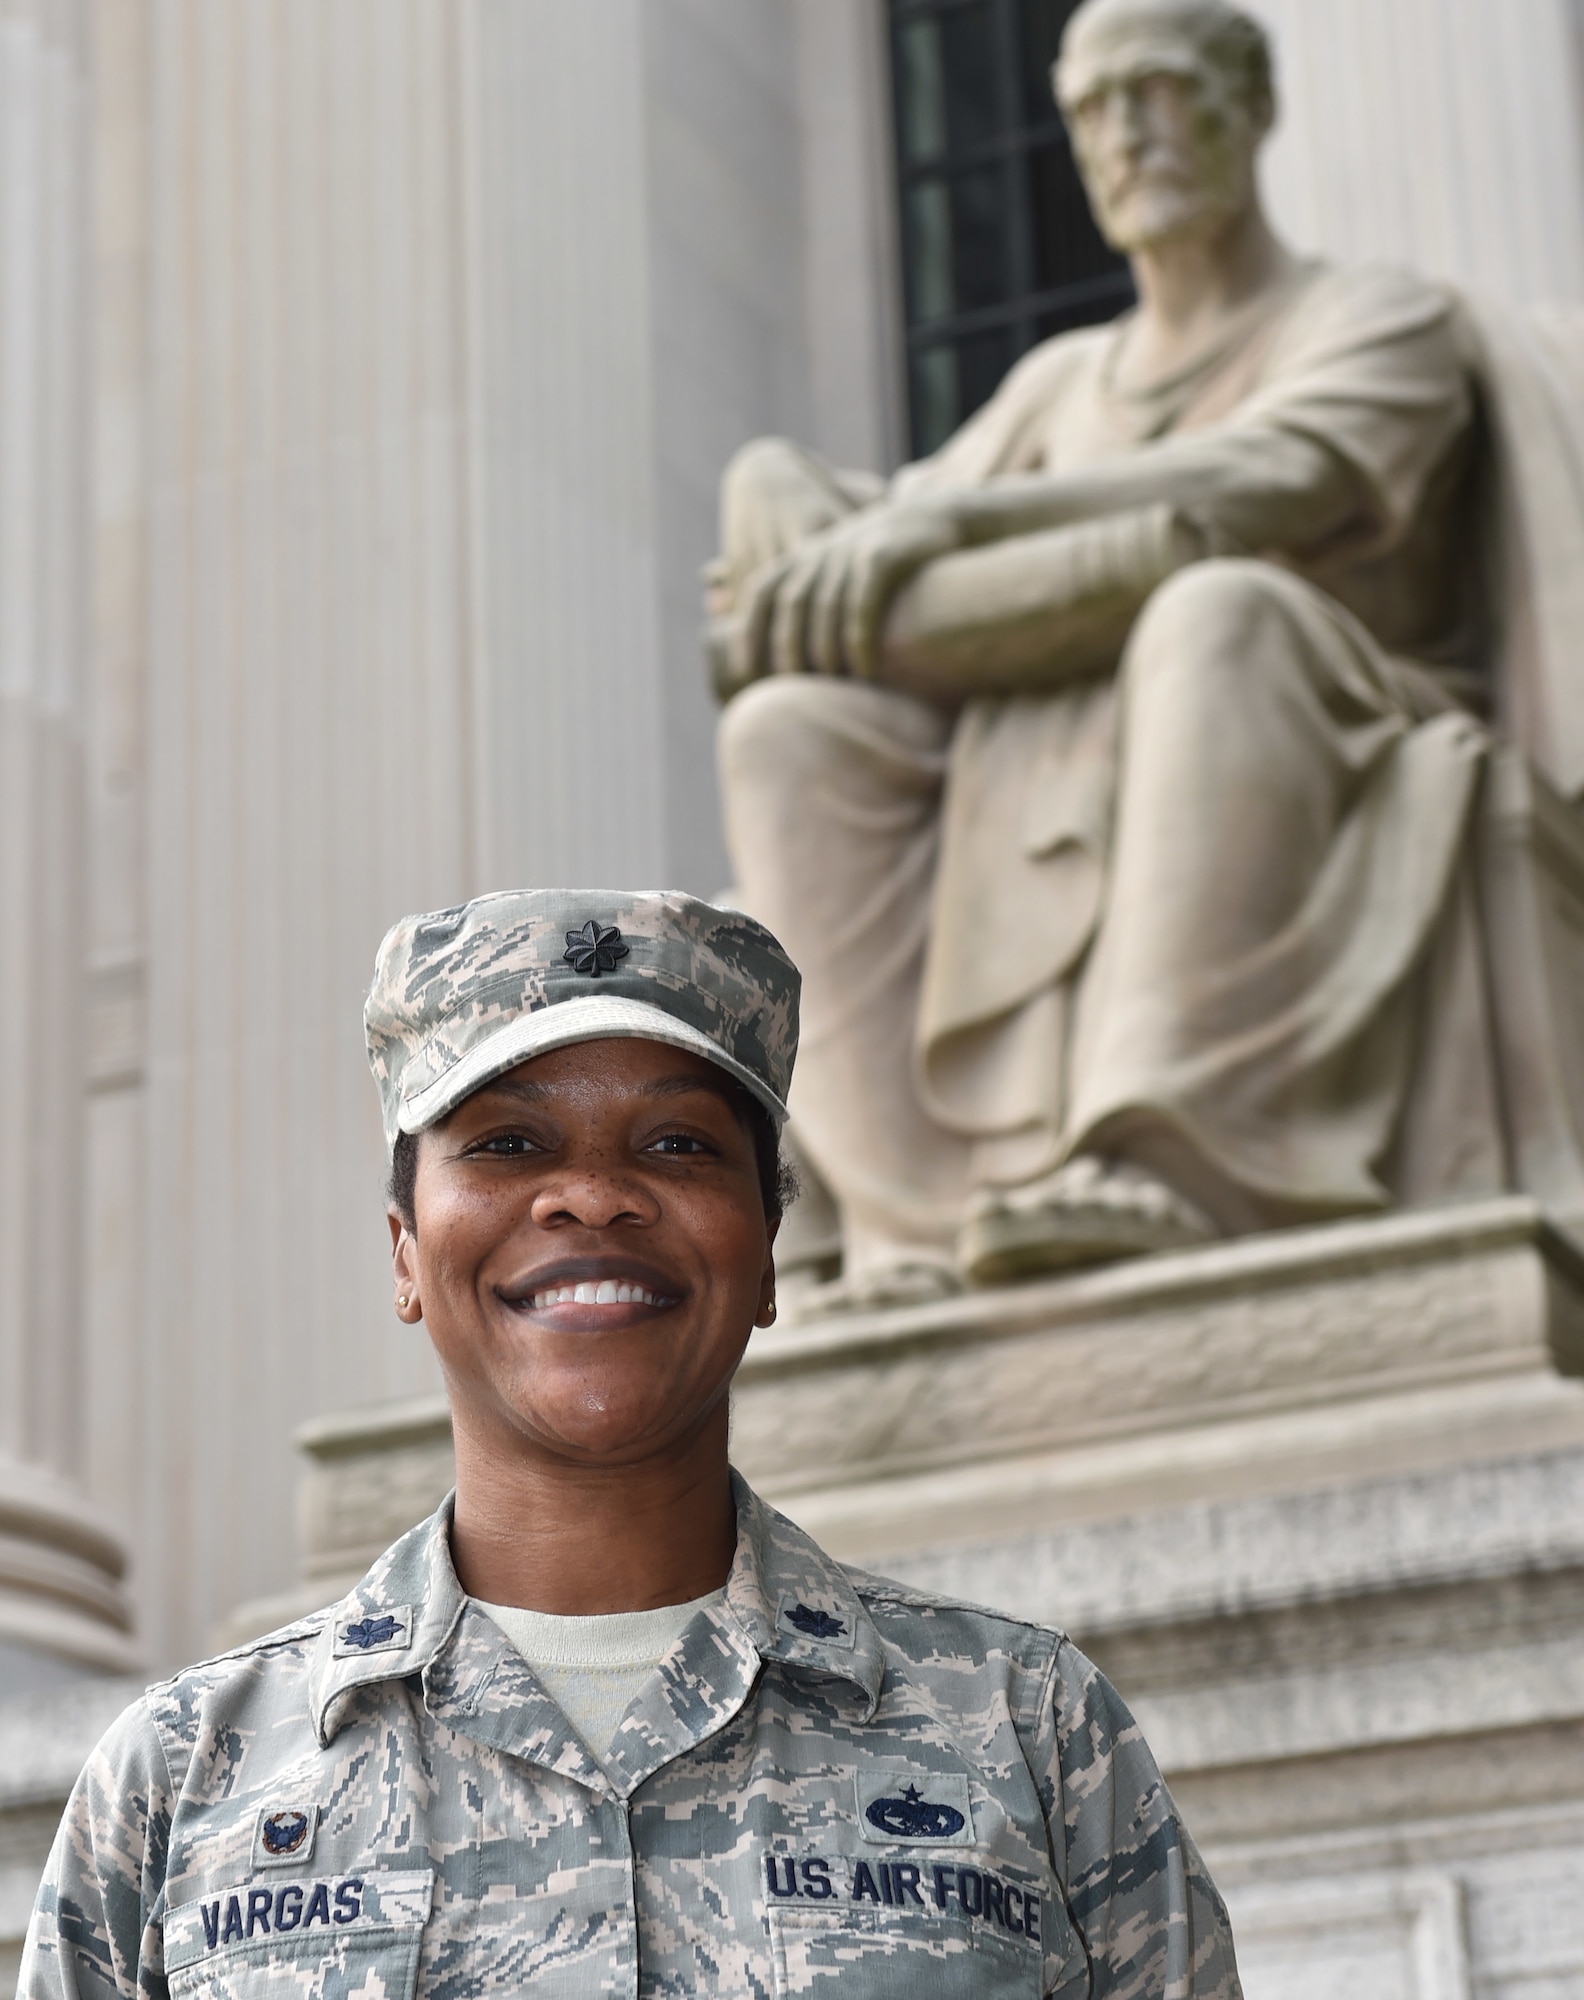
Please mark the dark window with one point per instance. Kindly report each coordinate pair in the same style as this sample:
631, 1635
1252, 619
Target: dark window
998, 248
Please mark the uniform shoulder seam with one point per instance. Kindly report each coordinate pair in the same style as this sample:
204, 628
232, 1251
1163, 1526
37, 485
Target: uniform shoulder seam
885, 1590
278, 1641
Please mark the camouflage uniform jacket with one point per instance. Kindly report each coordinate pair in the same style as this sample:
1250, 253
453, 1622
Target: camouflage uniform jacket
831, 1784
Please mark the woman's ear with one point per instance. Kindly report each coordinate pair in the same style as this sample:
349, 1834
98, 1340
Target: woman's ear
766, 1311
404, 1269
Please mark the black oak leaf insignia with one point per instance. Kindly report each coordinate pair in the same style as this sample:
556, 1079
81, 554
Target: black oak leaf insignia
817, 1624
372, 1632
595, 949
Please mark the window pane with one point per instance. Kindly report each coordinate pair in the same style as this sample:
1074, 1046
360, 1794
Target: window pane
1043, 22
1067, 246
998, 248
1101, 300
957, 251
946, 83
934, 398
949, 382
982, 360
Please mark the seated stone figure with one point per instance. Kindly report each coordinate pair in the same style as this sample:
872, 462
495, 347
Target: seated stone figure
1110, 773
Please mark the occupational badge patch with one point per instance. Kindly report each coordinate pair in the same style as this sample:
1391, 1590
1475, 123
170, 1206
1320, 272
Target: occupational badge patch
933, 1808
285, 1834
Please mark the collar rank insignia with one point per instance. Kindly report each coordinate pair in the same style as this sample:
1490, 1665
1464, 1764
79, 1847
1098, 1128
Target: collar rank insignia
815, 1624
595, 949
802, 1620
374, 1632
369, 1632
286, 1834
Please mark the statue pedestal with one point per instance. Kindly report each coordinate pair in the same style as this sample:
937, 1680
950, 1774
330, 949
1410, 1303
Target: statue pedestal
1314, 1500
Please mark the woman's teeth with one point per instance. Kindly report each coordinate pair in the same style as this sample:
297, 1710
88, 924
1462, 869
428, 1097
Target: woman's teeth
606, 1293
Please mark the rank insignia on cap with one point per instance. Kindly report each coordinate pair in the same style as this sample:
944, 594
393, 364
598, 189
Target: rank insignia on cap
375, 1632
595, 949
813, 1621
929, 1807
285, 1834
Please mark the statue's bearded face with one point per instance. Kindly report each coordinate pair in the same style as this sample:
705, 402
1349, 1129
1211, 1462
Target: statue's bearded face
1165, 139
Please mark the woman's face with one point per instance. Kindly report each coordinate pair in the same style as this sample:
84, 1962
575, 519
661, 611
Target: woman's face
591, 1252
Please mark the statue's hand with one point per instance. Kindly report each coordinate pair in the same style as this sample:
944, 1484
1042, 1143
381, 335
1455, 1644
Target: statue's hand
822, 608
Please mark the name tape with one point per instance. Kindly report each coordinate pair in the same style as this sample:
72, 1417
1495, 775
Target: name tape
324, 1905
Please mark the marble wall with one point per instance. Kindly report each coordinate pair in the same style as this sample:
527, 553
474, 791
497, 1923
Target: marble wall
423, 329
1446, 134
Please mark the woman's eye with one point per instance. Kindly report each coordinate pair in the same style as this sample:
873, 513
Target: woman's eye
506, 1145
678, 1143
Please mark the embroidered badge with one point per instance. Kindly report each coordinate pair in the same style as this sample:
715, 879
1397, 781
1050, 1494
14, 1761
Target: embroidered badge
375, 1632
286, 1834
817, 1624
595, 949
910, 1805
372, 1632
813, 1621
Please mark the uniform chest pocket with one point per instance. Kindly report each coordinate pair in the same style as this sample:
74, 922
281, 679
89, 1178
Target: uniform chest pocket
877, 1954
319, 1937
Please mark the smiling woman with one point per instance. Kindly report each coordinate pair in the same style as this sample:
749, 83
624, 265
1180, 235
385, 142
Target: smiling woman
606, 1722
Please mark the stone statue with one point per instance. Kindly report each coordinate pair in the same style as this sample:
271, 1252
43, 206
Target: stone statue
1110, 773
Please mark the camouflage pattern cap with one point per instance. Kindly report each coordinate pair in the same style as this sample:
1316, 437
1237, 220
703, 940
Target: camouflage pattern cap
462, 995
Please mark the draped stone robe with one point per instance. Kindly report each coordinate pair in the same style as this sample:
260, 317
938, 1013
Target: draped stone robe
1184, 910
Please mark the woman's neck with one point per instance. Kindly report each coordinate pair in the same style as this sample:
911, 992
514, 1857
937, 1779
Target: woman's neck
577, 1540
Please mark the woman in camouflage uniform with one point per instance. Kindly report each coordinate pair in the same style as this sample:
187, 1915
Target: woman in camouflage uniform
607, 1723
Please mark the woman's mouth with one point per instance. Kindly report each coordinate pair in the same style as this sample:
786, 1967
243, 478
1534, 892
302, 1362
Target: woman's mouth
593, 1294
608, 1292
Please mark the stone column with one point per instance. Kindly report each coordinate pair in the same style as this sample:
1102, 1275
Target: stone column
61, 1603
1446, 137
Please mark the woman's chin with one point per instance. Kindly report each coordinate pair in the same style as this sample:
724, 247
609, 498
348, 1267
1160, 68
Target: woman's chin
613, 1424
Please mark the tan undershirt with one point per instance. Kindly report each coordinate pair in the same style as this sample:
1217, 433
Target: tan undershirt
592, 1667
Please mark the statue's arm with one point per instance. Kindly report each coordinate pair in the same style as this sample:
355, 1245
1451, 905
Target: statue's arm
1049, 573
1267, 489
1033, 579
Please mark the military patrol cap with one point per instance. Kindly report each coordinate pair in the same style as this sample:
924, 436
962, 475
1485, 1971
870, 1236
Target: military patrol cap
462, 995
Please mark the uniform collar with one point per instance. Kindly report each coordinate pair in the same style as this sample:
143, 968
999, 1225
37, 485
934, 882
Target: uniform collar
785, 1601
392, 1625
795, 1604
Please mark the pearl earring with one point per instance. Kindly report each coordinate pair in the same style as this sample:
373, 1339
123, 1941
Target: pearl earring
402, 1302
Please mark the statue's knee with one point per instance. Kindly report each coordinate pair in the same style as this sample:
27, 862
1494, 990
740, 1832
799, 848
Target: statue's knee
1202, 622
770, 730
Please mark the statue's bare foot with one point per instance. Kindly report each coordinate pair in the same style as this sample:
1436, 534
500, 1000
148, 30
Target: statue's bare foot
914, 1284
1087, 1212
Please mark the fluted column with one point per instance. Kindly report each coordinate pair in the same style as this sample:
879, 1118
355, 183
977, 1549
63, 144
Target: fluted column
60, 1566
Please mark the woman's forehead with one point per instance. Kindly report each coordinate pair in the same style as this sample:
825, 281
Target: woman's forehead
624, 1064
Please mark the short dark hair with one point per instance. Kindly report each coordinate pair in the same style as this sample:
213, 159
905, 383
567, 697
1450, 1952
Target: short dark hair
778, 1183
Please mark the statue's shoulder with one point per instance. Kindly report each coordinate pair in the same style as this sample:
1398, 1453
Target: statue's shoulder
1373, 296
1063, 356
